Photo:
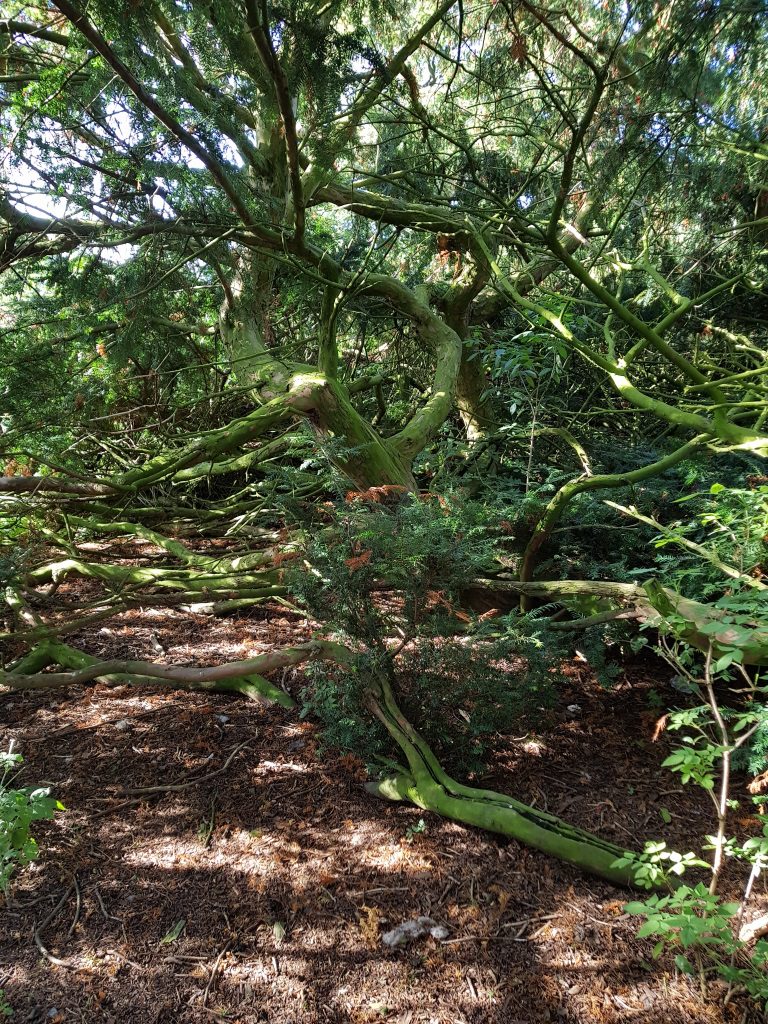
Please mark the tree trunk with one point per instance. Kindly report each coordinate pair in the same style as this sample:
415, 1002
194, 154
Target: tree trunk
472, 401
314, 395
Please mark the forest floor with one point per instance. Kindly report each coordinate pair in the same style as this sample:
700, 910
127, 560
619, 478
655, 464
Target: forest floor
215, 864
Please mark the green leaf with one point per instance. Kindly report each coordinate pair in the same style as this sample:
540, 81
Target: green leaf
724, 662
682, 963
648, 928
676, 757
175, 932
635, 907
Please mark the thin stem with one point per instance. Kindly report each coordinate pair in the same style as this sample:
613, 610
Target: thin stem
725, 776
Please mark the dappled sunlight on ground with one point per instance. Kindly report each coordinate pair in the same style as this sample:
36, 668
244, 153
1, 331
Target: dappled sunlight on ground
187, 892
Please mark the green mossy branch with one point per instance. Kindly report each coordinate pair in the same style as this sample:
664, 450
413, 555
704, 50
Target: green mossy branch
658, 606
606, 481
428, 786
424, 783
190, 580
243, 677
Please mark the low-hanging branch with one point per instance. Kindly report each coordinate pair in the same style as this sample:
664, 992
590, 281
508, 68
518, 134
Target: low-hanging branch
558, 504
693, 621
240, 677
674, 537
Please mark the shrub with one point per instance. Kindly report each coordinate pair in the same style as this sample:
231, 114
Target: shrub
388, 576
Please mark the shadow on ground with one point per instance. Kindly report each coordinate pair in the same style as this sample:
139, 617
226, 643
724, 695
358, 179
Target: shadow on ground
260, 893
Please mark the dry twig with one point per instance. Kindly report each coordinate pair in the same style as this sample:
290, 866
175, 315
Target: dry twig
214, 972
47, 920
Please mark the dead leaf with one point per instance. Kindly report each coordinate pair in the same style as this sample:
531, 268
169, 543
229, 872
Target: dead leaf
659, 728
369, 926
358, 560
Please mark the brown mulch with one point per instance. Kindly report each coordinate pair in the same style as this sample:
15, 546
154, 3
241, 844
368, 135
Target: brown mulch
260, 893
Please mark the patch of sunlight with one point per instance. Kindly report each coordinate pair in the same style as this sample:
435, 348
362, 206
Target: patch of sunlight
160, 852
162, 613
241, 651
279, 766
534, 747
295, 729
375, 852
389, 856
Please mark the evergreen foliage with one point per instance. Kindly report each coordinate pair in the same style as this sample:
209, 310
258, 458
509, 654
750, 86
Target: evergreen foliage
390, 577
501, 269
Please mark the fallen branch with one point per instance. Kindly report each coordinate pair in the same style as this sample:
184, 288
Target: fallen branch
425, 784
47, 920
239, 676
202, 581
53, 484
214, 972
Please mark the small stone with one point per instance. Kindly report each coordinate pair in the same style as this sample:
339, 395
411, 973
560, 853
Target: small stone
415, 929
155, 644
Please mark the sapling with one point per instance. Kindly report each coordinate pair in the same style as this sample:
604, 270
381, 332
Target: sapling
693, 920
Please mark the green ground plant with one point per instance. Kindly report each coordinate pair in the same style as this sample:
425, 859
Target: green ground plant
693, 922
19, 809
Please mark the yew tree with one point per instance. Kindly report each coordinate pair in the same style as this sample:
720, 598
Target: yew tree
241, 235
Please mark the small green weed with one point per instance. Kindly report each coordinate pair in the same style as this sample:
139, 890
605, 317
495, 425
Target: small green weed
415, 830
19, 808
